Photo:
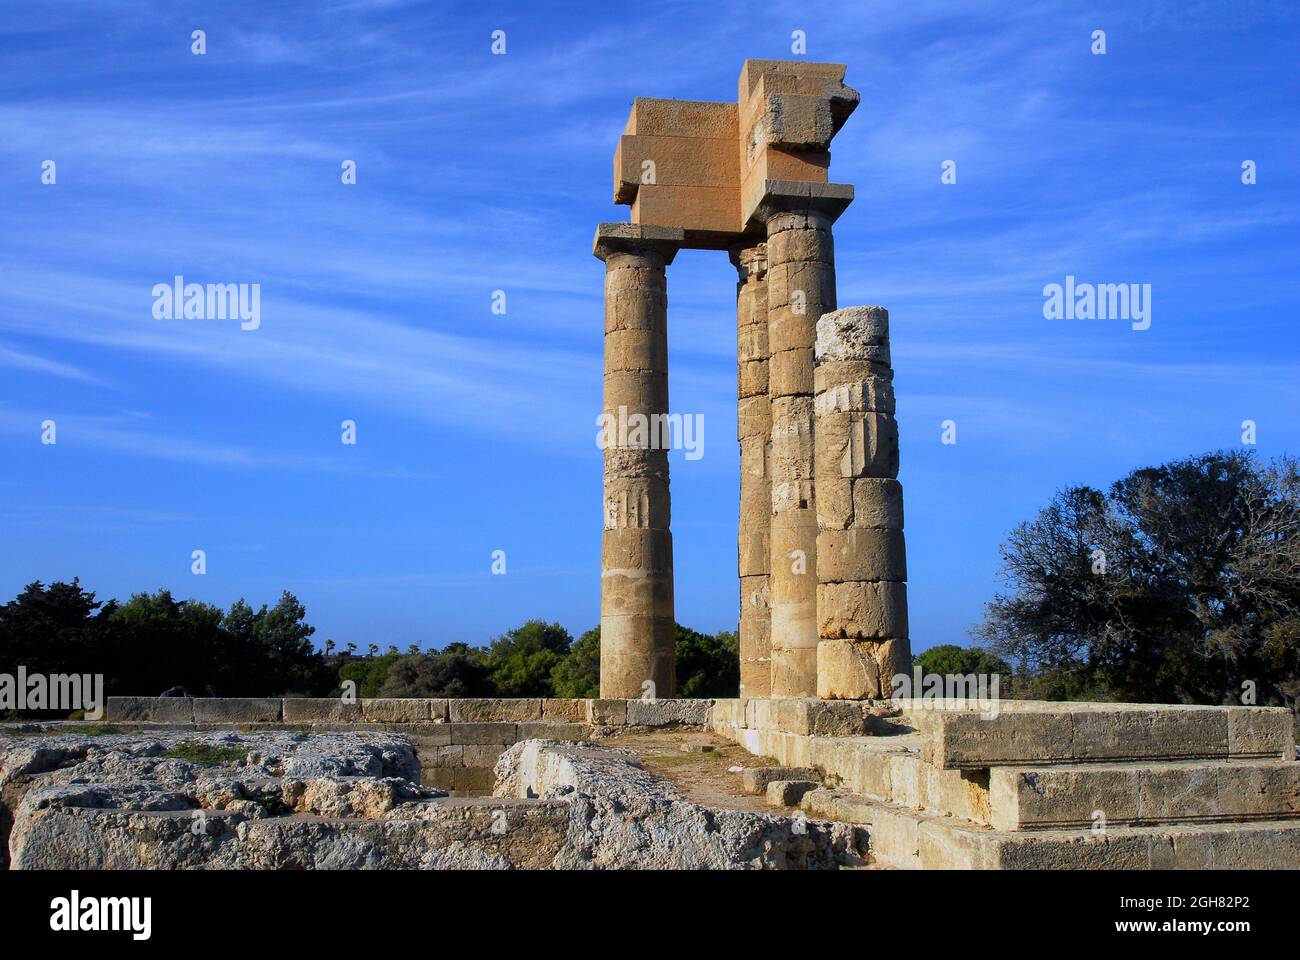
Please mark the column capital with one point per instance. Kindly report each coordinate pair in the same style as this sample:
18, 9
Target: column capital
749, 259
798, 196
612, 238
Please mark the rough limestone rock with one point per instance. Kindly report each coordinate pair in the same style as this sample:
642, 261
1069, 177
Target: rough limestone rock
287, 801
624, 817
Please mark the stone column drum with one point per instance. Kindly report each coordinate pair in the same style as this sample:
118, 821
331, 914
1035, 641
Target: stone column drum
800, 288
637, 623
861, 566
753, 428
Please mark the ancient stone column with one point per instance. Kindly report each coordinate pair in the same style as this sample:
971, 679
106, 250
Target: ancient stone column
800, 288
754, 426
637, 622
861, 566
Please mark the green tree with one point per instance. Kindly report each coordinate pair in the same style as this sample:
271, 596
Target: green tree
1180, 583
948, 658
521, 660
707, 665
458, 670
578, 674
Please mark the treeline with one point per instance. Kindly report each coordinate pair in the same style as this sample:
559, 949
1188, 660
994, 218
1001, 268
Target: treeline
154, 643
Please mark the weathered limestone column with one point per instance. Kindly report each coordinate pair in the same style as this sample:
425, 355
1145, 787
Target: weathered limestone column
800, 288
754, 427
861, 566
636, 559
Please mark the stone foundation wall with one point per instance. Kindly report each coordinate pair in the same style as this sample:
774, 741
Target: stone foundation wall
457, 741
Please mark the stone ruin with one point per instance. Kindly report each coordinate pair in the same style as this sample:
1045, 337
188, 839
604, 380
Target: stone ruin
812, 766
823, 594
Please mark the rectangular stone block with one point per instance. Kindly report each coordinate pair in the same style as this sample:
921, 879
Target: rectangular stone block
658, 117
491, 710
151, 709
1261, 732
481, 755
237, 710
659, 713
397, 710
472, 734
607, 713
317, 710
554, 730
820, 718
713, 210
1154, 733
570, 711
958, 740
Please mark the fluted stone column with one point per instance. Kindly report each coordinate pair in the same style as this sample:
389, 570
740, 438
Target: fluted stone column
637, 621
800, 288
861, 565
754, 426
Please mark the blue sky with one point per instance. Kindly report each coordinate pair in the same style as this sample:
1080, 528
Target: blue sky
479, 172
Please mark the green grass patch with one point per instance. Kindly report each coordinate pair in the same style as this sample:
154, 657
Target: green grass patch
205, 754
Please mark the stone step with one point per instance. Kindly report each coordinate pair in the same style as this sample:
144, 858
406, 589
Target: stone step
910, 839
1136, 793
968, 735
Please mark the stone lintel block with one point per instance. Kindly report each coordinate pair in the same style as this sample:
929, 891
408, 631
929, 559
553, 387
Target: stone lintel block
317, 710
486, 710
238, 709
151, 709
709, 216
761, 77
677, 161
637, 238
658, 117
661, 713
